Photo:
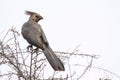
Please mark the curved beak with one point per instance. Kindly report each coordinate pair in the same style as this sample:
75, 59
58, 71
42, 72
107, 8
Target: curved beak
41, 17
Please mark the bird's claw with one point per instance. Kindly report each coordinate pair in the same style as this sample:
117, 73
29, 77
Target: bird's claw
29, 48
36, 50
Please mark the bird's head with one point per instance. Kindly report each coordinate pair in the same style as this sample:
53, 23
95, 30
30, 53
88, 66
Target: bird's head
34, 16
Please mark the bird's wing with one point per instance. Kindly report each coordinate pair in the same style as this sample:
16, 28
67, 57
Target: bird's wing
43, 36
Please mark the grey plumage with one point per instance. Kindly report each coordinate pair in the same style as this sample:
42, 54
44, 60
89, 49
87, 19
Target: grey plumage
34, 35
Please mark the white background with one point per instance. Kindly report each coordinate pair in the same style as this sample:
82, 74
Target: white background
92, 24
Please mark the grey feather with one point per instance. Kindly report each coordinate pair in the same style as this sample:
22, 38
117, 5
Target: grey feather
53, 59
34, 35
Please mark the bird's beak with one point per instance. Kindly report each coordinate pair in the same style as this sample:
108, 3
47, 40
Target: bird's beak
41, 17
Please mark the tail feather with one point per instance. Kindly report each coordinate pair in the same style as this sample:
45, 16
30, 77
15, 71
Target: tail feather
54, 61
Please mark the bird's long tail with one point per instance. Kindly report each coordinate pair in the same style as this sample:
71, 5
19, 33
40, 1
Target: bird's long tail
54, 61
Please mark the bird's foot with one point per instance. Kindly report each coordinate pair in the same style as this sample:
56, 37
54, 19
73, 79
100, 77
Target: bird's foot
29, 48
36, 50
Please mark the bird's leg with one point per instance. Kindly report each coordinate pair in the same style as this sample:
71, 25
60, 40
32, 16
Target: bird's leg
29, 47
36, 50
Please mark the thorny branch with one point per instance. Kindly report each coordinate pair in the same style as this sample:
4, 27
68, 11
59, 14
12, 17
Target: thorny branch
29, 65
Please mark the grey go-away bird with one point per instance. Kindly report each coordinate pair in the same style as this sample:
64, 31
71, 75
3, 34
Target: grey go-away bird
34, 35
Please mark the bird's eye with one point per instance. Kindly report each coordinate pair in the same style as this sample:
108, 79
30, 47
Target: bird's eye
37, 16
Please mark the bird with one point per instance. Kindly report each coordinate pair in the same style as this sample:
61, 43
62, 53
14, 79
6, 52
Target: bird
33, 33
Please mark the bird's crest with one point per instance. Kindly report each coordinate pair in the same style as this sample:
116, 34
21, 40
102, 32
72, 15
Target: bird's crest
30, 12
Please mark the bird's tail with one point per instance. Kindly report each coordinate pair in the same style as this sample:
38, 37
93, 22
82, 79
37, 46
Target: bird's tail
54, 61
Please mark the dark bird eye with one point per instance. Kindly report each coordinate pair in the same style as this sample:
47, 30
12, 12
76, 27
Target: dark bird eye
37, 16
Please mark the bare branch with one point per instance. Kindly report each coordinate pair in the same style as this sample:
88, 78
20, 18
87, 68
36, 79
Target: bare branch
30, 65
